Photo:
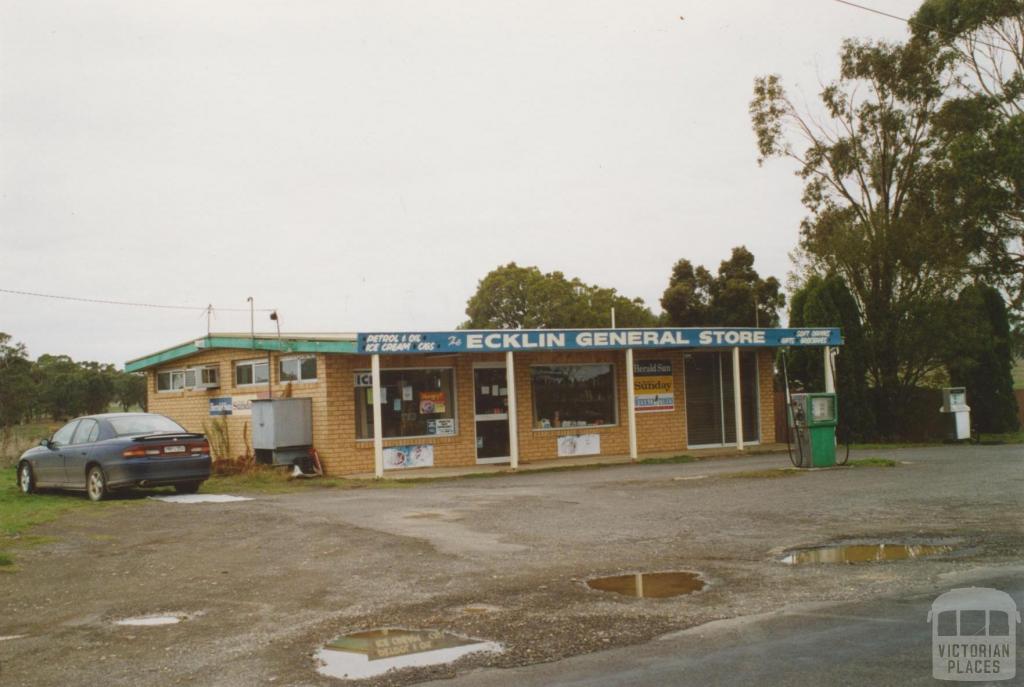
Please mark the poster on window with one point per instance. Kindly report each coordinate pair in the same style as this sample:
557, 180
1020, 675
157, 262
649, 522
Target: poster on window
399, 457
653, 389
579, 445
444, 427
432, 402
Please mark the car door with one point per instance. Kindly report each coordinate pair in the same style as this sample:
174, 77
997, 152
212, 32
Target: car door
77, 454
49, 467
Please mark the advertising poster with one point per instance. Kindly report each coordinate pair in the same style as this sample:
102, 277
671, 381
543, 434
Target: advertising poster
579, 445
398, 457
242, 405
653, 389
220, 405
444, 427
432, 402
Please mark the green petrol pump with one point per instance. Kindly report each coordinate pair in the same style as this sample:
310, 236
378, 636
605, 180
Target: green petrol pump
813, 419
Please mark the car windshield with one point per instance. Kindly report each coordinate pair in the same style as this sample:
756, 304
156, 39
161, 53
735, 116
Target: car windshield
144, 424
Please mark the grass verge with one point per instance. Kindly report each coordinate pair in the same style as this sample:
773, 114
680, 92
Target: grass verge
895, 444
671, 460
770, 473
1007, 438
267, 480
19, 512
872, 463
277, 481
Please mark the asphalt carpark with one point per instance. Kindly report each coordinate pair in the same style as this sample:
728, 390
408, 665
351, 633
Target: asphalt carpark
264, 583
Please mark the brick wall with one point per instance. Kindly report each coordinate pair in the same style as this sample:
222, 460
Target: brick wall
191, 408
334, 416
766, 391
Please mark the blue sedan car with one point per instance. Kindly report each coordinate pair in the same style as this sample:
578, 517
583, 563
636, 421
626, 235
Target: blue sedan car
100, 453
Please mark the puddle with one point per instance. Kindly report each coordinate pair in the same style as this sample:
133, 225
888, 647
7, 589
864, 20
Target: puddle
864, 553
374, 652
658, 585
200, 498
149, 620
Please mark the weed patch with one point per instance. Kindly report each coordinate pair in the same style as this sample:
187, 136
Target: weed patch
872, 463
773, 473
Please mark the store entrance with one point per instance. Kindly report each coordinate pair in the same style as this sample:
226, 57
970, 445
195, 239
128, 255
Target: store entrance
710, 410
490, 390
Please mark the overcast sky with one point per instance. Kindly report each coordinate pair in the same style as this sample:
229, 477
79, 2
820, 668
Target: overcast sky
361, 165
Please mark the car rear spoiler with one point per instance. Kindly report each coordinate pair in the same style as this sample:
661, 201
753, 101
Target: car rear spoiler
163, 436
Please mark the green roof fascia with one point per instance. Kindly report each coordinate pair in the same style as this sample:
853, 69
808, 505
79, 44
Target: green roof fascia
213, 342
282, 344
161, 357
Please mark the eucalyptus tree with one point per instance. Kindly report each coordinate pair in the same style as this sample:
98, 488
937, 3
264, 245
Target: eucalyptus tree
872, 163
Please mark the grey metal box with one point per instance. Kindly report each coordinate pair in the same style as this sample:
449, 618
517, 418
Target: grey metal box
282, 423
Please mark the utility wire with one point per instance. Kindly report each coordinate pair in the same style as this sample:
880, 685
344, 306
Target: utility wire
912, 22
136, 305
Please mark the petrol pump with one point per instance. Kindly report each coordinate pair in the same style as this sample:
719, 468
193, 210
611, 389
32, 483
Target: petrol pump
957, 412
813, 420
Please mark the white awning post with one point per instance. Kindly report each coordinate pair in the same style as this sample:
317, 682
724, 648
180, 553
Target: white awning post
631, 402
737, 397
830, 382
513, 422
378, 429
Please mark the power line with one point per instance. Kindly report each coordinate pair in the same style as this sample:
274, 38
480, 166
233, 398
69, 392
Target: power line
913, 22
102, 301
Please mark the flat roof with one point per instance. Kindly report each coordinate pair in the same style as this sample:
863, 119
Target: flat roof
499, 340
288, 343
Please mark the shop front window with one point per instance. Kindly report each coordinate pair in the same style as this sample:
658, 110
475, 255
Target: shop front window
413, 403
573, 396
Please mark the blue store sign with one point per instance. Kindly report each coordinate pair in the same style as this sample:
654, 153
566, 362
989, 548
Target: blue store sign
482, 341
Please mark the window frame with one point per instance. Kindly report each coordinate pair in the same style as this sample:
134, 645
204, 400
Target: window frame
74, 428
203, 369
84, 422
455, 402
586, 428
300, 379
251, 362
196, 371
176, 371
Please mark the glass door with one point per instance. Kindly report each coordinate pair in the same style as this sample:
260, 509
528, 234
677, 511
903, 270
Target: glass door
710, 409
703, 400
490, 389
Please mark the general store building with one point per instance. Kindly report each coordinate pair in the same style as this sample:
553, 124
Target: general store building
395, 400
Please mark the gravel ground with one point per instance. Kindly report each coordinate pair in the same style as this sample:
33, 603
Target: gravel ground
264, 583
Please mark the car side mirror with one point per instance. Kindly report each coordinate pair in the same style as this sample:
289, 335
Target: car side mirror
46, 443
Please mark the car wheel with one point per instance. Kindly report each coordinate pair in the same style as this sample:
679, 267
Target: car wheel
187, 487
96, 484
26, 480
